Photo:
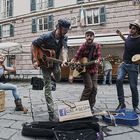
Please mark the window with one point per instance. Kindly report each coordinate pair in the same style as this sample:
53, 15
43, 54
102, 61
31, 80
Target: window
38, 5
9, 7
6, 8
43, 23
7, 30
33, 5
41, 4
50, 3
95, 16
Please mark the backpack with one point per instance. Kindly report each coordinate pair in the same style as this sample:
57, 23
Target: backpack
82, 129
37, 83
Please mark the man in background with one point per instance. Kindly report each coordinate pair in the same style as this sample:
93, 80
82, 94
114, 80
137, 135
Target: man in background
107, 70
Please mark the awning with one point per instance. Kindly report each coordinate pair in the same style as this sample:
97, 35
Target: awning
102, 39
10, 47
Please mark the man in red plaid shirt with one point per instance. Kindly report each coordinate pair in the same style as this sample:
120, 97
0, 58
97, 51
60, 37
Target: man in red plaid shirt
91, 51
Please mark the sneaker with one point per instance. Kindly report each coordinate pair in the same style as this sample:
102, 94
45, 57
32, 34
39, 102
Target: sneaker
137, 110
121, 106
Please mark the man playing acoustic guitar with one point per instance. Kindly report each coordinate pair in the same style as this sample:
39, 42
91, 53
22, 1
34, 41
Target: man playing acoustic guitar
45, 52
132, 47
91, 51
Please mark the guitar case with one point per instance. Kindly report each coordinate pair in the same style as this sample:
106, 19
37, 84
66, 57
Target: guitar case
82, 129
123, 117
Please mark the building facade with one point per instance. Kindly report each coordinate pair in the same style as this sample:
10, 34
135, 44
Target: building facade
24, 20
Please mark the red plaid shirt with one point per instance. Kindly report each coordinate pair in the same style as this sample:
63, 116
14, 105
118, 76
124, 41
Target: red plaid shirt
84, 51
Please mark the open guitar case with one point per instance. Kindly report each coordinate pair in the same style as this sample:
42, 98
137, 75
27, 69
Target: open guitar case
81, 129
122, 117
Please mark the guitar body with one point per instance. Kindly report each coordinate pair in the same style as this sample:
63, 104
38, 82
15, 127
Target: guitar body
136, 59
80, 67
123, 117
44, 57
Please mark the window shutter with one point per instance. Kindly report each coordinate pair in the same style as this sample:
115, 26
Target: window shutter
33, 5
11, 8
34, 25
0, 31
50, 3
102, 15
50, 22
11, 30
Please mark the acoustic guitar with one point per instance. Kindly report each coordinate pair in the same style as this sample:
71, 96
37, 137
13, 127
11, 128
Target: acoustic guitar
136, 59
80, 67
123, 117
46, 57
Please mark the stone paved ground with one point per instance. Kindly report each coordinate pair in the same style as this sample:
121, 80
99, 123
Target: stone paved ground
11, 121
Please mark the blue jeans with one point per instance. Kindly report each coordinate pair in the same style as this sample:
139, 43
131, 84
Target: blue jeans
107, 73
132, 71
8, 86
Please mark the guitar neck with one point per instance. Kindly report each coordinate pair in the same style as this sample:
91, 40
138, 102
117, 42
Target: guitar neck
88, 63
54, 60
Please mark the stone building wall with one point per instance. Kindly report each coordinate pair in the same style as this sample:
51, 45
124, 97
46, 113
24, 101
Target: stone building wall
118, 15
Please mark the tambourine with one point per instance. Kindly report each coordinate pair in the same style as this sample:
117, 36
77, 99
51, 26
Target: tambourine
136, 59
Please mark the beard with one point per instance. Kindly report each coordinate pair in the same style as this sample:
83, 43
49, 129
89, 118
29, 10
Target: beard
89, 41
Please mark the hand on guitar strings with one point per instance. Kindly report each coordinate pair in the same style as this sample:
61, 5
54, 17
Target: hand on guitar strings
64, 64
35, 65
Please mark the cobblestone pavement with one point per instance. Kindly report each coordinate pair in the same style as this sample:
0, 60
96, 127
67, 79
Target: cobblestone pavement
11, 121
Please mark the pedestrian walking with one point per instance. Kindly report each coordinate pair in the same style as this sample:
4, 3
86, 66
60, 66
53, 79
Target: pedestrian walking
107, 70
9, 86
51, 45
92, 51
132, 47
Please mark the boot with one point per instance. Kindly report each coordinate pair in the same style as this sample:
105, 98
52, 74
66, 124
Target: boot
19, 106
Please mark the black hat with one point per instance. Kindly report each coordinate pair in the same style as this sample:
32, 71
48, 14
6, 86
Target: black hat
64, 23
